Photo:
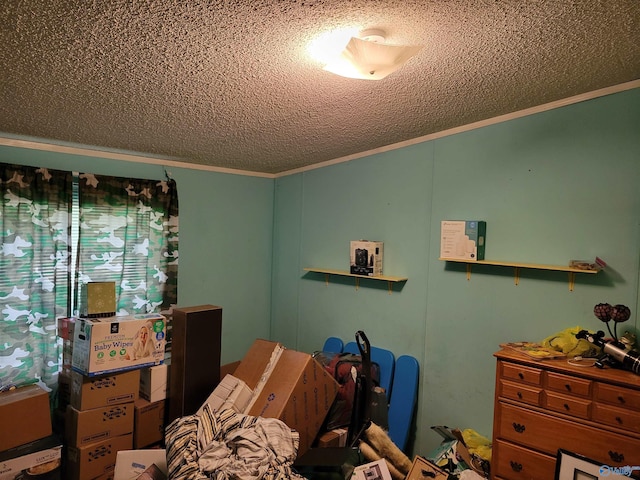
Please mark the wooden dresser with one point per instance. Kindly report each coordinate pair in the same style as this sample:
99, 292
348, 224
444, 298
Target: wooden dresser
542, 406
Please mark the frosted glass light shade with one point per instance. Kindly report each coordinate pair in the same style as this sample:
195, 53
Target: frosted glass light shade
371, 60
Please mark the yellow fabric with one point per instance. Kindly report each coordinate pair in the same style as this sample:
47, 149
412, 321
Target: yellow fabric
477, 444
566, 342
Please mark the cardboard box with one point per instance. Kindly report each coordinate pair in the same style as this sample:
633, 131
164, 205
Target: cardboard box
83, 427
99, 300
65, 328
105, 390
333, 438
130, 464
153, 382
231, 393
289, 385
96, 459
64, 389
462, 239
65, 332
149, 422
43, 456
25, 416
106, 345
104, 476
228, 368
366, 257
422, 469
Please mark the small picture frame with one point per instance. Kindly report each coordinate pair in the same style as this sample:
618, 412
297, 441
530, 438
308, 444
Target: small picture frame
572, 466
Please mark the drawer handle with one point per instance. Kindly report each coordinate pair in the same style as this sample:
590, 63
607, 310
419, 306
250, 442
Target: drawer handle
568, 387
521, 375
619, 420
566, 407
519, 395
515, 466
427, 474
518, 427
621, 399
616, 457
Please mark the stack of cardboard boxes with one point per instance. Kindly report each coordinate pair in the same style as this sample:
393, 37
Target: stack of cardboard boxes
27, 444
99, 422
112, 360
112, 393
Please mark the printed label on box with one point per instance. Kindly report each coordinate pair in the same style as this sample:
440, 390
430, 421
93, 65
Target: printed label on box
366, 257
118, 343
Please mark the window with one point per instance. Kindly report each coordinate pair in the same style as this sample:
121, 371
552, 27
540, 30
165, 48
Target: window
60, 231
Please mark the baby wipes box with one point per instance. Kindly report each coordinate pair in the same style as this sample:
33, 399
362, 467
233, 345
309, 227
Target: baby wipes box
104, 345
462, 239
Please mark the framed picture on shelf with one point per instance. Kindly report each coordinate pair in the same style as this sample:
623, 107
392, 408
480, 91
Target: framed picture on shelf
571, 466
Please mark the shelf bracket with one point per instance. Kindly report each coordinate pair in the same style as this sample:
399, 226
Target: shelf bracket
572, 280
516, 275
390, 286
357, 283
326, 279
468, 271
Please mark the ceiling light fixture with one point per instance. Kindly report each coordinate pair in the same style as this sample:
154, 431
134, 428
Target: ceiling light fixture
368, 57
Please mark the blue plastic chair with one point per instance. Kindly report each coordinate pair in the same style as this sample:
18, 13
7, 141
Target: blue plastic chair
333, 344
404, 397
384, 358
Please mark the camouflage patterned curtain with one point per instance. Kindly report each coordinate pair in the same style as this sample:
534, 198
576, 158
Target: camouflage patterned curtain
129, 235
33, 272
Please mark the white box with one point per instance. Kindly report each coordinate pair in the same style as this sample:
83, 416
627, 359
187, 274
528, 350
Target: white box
377, 470
232, 393
106, 345
462, 239
366, 257
130, 464
153, 383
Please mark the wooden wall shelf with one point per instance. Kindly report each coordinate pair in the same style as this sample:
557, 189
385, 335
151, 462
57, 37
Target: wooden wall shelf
518, 265
391, 280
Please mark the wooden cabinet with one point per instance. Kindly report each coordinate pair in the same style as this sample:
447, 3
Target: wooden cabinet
543, 406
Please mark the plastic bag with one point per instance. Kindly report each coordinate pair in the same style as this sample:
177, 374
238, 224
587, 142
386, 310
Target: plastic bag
477, 444
566, 342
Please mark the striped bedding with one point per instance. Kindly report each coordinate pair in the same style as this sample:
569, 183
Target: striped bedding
225, 445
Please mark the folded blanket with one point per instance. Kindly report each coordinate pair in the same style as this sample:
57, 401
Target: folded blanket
226, 445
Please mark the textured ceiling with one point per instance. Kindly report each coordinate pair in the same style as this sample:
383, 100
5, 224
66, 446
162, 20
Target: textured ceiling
230, 84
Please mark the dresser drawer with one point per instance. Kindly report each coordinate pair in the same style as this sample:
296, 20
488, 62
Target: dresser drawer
518, 463
577, 407
620, 396
617, 417
520, 392
547, 434
520, 373
569, 385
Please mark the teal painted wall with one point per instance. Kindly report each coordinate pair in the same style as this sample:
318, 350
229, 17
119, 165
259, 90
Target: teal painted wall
225, 238
554, 186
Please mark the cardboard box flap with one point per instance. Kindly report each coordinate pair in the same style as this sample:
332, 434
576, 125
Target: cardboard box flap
257, 364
